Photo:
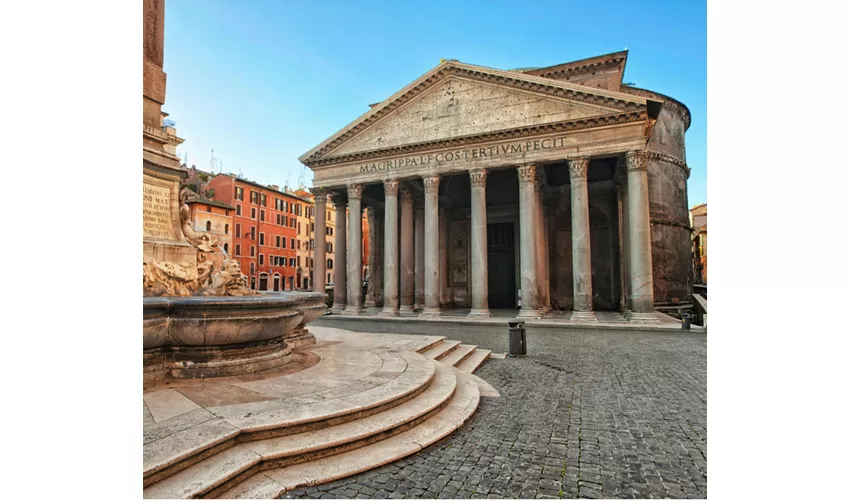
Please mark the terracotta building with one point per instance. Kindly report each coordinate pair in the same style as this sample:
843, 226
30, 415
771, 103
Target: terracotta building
699, 223
302, 209
214, 217
264, 230
558, 189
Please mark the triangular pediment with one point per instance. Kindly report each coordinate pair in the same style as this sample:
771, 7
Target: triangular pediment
460, 100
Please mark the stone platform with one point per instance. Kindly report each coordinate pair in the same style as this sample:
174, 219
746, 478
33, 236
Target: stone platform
605, 320
347, 404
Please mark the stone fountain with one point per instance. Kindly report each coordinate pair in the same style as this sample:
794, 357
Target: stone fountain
200, 320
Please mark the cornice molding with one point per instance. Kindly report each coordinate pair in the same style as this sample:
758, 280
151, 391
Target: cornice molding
560, 70
667, 101
672, 160
669, 221
500, 135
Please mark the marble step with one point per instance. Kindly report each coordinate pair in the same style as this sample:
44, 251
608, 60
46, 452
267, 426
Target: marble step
458, 354
225, 425
273, 483
442, 349
229, 467
474, 361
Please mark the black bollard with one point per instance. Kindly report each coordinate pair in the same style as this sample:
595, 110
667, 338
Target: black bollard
686, 320
516, 338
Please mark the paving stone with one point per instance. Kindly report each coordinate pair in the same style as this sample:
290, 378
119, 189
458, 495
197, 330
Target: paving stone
620, 415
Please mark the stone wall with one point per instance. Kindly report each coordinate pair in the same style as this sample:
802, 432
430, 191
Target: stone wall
668, 207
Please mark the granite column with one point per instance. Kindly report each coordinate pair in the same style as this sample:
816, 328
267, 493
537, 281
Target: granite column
580, 210
640, 253
340, 255
320, 264
407, 254
527, 241
390, 270
478, 244
354, 304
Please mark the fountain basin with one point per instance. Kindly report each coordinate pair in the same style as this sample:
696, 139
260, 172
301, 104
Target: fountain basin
199, 337
314, 307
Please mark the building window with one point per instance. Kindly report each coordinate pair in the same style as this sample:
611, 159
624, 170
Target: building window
252, 272
237, 249
262, 215
330, 264
253, 233
312, 244
226, 213
261, 259
238, 209
226, 228
254, 196
277, 241
263, 200
253, 252
285, 220
239, 194
299, 261
291, 262
209, 210
238, 230
292, 222
209, 226
312, 227
299, 228
329, 247
225, 248
262, 239
292, 245
299, 244
253, 213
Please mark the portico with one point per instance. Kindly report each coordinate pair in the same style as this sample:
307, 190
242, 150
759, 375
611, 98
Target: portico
497, 189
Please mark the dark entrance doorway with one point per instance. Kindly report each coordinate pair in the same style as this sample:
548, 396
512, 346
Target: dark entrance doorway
264, 282
276, 283
501, 278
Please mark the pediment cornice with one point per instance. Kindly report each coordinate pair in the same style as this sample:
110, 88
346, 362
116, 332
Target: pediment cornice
501, 135
617, 103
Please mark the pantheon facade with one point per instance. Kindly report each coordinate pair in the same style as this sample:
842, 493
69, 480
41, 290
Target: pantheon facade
556, 191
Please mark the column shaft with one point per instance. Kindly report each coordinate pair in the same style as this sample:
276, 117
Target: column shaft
319, 262
542, 243
371, 259
419, 252
478, 243
407, 256
340, 255
582, 274
444, 256
431, 247
390, 270
354, 304
527, 241
640, 253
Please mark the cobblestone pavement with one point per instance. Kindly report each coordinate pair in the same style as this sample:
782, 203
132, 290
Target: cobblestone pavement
586, 414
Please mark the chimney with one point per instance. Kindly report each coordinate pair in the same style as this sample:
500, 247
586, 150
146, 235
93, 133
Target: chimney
274, 186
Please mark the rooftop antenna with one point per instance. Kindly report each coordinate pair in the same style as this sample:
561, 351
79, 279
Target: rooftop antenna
288, 182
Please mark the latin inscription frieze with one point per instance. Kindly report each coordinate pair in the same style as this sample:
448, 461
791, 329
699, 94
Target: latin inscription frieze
478, 153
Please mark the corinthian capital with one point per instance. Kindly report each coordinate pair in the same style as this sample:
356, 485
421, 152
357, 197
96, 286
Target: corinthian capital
391, 187
320, 194
636, 160
432, 184
478, 178
355, 191
527, 173
406, 193
578, 168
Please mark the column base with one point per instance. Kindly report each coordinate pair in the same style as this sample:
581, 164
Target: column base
353, 310
584, 317
479, 313
528, 314
338, 309
418, 307
405, 310
388, 312
642, 318
430, 312
369, 303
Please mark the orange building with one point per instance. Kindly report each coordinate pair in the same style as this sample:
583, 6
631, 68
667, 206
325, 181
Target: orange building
213, 217
264, 230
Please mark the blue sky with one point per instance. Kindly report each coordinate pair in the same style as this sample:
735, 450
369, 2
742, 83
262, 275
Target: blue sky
262, 82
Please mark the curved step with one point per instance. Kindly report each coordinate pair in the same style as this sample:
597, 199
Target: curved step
442, 349
228, 424
474, 361
458, 354
242, 461
272, 483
